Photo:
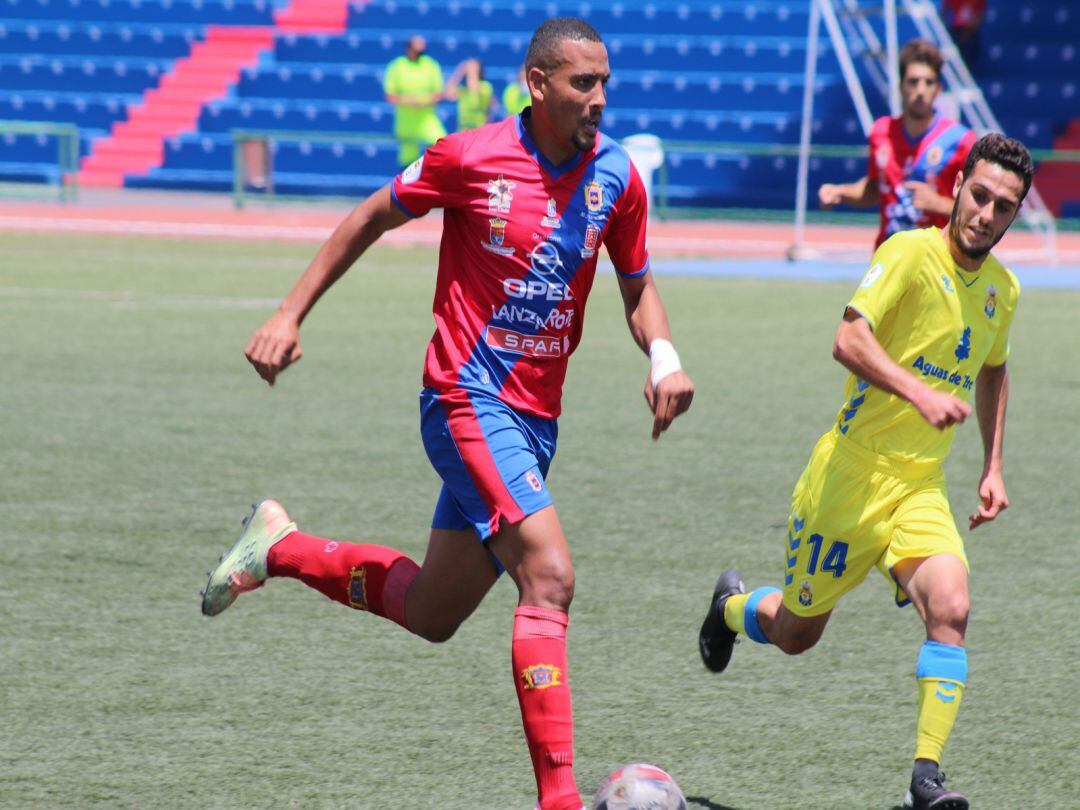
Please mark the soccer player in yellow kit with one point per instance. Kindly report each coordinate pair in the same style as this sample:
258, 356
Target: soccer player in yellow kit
928, 325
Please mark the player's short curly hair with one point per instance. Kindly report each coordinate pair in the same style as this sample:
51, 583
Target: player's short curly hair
1008, 153
543, 52
920, 51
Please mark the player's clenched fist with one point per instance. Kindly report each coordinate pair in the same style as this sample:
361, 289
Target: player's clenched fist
274, 346
942, 410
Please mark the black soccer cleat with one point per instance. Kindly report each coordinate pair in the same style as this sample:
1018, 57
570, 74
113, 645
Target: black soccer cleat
715, 639
928, 792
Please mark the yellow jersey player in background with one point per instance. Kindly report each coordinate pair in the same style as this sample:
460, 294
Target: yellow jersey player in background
927, 327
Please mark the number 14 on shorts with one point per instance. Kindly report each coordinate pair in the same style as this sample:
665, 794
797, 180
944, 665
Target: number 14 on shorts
835, 561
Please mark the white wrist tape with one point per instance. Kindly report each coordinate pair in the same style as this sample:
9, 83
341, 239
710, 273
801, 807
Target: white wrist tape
664, 359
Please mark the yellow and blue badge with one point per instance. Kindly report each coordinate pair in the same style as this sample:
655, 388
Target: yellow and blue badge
594, 197
358, 588
541, 676
806, 593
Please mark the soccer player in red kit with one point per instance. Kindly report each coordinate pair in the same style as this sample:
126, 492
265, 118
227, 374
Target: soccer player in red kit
914, 158
528, 202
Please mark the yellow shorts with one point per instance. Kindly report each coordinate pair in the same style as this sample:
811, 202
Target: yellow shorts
852, 510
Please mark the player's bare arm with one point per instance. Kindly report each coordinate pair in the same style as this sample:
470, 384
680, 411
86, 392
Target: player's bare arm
991, 399
276, 344
668, 390
856, 348
863, 193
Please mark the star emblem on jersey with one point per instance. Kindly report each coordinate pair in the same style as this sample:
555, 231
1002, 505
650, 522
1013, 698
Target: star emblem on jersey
990, 307
500, 194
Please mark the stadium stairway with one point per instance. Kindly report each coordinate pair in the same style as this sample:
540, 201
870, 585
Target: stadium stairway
137, 144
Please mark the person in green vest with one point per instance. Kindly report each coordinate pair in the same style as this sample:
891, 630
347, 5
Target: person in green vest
474, 97
413, 84
515, 97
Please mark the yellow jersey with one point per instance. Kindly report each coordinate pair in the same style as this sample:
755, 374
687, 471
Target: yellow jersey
935, 319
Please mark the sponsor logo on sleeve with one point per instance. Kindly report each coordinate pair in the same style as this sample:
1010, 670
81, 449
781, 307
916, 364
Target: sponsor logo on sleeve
412, 173
872, 275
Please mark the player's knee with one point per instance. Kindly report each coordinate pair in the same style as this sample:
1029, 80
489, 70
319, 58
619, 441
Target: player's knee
437, 631
949, 611
552, 588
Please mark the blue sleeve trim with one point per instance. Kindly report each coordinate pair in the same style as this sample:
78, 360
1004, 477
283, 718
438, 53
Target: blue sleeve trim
635, 273
750, 622
397, 202
937, 660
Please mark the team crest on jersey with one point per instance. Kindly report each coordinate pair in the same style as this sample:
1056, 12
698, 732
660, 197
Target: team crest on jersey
934, 155
551, 219
496, 237
806, 593
534, 482
594, 197
592, 239
990, 307
500, 194
358, 588
413, 171
541, 676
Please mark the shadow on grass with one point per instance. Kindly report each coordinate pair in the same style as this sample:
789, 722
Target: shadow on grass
701, 801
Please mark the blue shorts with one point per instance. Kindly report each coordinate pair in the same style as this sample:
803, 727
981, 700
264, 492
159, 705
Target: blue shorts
492, 459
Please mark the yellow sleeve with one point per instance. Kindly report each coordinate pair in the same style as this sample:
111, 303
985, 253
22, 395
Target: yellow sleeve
888, 277
999, 352
390, 80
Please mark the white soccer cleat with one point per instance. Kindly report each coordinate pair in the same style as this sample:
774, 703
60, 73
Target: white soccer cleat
243, 567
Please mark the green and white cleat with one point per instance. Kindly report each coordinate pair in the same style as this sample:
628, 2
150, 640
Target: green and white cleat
243, 567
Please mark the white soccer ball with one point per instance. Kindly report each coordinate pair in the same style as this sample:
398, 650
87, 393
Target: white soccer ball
639, 787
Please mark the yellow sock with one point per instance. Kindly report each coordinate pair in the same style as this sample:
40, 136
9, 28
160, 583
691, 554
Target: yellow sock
941, 674
735, 612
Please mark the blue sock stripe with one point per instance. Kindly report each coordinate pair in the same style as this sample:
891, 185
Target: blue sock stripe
753, 629
937, 660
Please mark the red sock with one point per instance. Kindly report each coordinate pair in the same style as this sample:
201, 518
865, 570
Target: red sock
539, 659
362, 576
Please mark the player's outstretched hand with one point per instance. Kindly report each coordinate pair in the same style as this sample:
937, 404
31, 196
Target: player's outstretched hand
671, 397
993, 497
274, 346
829, 196
942, 410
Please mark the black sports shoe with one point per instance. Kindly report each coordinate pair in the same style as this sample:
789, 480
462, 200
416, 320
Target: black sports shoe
929, 791
716, 640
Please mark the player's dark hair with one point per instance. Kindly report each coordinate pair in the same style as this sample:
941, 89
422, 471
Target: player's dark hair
1008, 153
919, 51
543, 51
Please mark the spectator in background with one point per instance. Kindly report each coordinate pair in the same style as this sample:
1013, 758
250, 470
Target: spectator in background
964, 19
413, 84
474, 97
914, 158
515, 97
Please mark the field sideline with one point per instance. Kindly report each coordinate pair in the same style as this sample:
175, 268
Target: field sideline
134, 438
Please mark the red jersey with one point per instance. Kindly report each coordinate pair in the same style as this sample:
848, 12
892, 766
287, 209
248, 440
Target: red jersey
934, 158
518, 255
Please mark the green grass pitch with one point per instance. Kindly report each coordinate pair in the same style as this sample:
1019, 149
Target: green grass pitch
133, 437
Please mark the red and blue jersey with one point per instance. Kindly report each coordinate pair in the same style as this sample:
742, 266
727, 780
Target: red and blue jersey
518, 255
935, 158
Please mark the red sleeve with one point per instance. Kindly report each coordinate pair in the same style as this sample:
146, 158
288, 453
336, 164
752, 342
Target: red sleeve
878, 133
433, 181
947, 178
625, 238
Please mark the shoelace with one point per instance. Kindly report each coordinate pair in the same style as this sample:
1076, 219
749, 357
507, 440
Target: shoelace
937, 781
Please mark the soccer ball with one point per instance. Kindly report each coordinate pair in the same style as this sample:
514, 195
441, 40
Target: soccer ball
639, 787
